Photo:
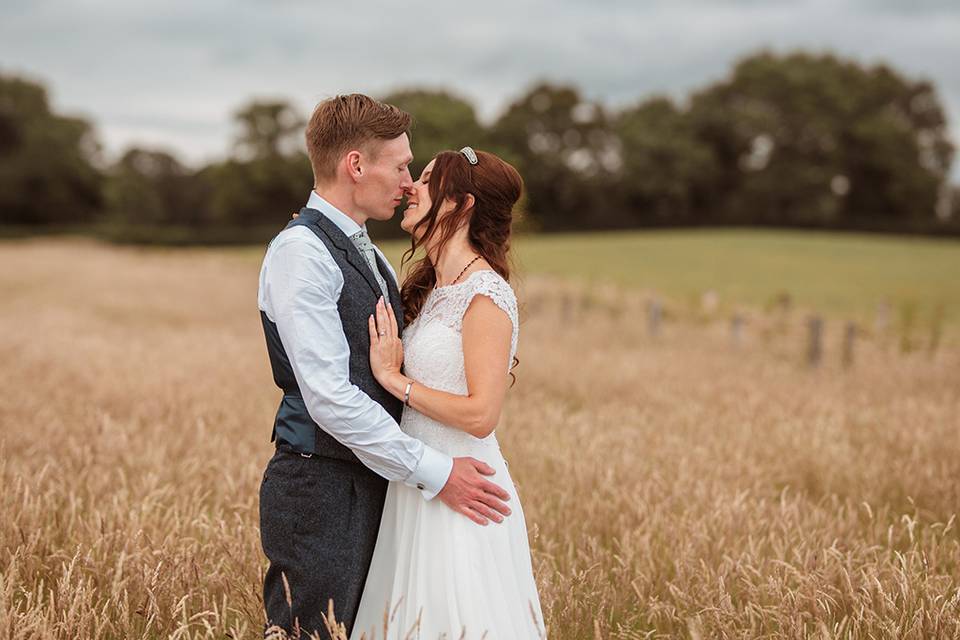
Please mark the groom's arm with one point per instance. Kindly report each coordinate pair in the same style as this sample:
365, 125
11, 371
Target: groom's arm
300, 286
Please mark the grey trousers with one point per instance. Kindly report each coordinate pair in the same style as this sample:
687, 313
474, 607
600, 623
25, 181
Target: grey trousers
319, 519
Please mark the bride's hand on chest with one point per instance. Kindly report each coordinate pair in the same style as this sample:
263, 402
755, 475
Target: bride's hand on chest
386, 348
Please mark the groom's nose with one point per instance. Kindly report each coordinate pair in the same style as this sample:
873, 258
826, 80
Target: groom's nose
406, 182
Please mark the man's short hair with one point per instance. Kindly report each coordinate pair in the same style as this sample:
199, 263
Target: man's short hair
343, 123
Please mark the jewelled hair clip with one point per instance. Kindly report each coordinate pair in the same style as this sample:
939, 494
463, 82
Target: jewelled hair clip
470, 154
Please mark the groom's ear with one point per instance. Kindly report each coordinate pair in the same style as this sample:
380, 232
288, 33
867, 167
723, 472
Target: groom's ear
353, 160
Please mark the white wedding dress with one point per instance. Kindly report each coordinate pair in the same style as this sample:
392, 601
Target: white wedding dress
436, 573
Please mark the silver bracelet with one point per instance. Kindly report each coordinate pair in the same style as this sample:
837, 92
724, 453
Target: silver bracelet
406, 394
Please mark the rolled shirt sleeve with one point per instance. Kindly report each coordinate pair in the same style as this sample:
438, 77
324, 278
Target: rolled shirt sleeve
300, 284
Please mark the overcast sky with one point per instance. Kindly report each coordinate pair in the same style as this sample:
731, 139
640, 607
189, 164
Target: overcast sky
170, 72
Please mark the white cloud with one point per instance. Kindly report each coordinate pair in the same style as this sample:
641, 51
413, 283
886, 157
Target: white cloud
172, 72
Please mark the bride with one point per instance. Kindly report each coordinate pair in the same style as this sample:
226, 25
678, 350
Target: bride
436, 573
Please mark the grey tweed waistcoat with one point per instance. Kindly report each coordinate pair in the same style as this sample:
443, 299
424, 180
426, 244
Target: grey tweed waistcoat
358, 298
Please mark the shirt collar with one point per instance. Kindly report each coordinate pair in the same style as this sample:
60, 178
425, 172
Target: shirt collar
346, 224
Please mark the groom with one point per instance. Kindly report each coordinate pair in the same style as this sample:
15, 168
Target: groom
337, 436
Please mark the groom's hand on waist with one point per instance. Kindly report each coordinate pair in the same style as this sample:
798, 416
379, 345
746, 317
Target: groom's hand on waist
468, 492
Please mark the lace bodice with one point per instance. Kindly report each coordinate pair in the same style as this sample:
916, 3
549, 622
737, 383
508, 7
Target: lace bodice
433, 355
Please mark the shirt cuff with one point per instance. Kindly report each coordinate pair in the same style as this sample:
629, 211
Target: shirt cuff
431, 473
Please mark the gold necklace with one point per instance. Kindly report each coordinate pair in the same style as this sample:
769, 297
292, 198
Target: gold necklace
464, 270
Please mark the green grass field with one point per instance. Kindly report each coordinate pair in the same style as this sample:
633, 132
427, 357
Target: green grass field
837, 273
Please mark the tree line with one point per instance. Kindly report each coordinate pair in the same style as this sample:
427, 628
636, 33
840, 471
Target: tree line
797, 140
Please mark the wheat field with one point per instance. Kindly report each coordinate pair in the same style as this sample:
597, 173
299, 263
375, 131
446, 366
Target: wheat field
675, 486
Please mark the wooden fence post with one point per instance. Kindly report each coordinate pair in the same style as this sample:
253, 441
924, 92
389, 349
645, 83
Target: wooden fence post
736, 329
815, 340
566, 308
654, 315
936, 331
849, 337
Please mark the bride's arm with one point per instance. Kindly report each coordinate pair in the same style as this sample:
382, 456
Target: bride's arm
487, 333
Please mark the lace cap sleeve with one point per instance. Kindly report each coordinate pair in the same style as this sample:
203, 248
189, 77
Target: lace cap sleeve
492, 285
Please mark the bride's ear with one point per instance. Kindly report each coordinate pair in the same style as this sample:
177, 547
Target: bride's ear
469, 201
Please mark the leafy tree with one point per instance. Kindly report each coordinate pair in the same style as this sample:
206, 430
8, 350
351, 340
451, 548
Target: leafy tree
667, 169
807, 139
150, 187
268, 130
794, 139
47, 175
440, 121
566, 152
269, 177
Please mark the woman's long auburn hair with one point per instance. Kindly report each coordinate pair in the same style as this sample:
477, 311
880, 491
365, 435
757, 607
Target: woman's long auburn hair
496, 187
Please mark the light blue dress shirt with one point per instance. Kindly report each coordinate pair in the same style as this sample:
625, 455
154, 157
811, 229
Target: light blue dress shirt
300, 284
